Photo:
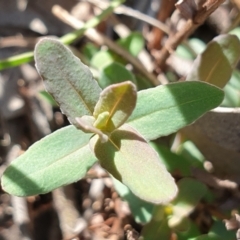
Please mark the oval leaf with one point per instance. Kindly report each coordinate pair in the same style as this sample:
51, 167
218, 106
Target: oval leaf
115, 73
118, 100
133, 43
66, 78
232, 91
215, 64
163, 110
102, 58
58, 159
190, 193
129, 158
158, 227
141, 210
230, 46
211, 66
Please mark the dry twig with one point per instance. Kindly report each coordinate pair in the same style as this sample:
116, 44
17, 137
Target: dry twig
100, 40
133, 13
198, 15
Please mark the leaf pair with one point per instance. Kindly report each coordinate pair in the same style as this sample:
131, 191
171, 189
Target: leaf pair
123, 152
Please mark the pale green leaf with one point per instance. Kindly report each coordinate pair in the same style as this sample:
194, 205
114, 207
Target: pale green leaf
118, 100
191, 153
215, 64
141, 210
66, 78
219, 228
230, 46
173, 162
163, 110
197, 45
58, 159
232, 91
129, 158
102, 58
193, 231
209, 236
115, 73
184, 52
190, 193
16, 60
48, 98
157, 228
133, 43
89, 50
211, 66
236, 32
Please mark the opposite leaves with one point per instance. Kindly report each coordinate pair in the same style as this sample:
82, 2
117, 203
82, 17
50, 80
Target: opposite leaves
64, 156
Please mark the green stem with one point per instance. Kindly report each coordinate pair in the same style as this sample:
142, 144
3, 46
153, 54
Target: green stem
66, 39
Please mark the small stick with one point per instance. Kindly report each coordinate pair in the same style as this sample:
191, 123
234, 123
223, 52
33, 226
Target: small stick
133, 13
191, 25
100, 39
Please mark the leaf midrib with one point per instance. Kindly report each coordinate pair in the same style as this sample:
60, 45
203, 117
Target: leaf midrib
114, 107
212, 70
53, 162
78, 92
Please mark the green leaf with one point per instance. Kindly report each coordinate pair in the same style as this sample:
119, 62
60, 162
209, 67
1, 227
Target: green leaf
118, 100
197, 45
133, 43
102, 59
16, 60
232, 91
190, 49
141, 210
173, 162
143, 83
190, 193
67, 79
89, 50
114, 73
230, 46
157, 228
211, 66
48, 98
193, 231
192, 154
215, 64
163, 110
209, 236
129, 158
184, 52
58, 159
218, 228
236, 32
